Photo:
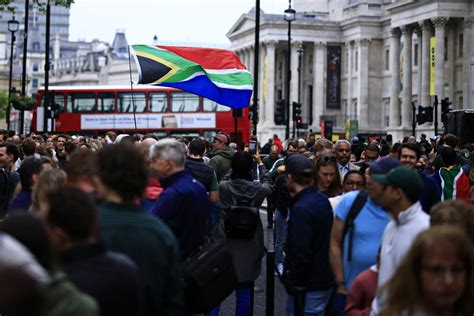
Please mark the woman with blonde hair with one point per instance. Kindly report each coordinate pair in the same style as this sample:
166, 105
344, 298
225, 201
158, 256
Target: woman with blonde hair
48, 181
435, 278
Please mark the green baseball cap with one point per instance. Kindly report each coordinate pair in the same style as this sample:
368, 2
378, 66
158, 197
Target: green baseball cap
404, 178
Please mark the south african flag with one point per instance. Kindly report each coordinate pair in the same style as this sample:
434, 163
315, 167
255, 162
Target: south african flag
216, 74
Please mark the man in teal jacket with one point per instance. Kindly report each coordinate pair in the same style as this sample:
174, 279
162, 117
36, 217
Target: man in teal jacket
127, 228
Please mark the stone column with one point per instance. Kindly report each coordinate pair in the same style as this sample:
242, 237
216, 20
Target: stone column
440, 24
407, 114
251, 59
318, 82
394, 85
363, 84
450, 76
350, 52
467, 65
294, 76
419, 78
270, 99
261, 66
425, 65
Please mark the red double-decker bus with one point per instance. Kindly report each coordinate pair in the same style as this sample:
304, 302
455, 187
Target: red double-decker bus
145, 109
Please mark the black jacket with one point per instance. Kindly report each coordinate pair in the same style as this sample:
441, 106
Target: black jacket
109, 277
202, 172
309, 229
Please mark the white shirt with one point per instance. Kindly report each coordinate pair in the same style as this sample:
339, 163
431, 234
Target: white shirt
397, 239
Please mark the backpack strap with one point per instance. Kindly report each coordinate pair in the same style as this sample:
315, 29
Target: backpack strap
356, 207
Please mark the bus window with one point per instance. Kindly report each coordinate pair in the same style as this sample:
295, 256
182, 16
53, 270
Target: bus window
125, 102
106, 102
58, 99
157, 102
184, 102
211, 106
190, 135
80, 102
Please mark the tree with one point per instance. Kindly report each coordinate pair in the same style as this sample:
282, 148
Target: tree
6, 4
3, 104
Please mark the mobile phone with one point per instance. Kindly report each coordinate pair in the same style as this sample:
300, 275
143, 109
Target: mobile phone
252, 147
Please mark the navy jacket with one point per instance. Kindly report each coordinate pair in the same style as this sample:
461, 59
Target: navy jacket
430, 194
184, 206
309, 229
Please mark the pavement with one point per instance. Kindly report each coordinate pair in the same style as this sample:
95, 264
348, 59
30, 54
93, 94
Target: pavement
228, 306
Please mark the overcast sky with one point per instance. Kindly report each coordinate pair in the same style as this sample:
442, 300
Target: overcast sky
204, 21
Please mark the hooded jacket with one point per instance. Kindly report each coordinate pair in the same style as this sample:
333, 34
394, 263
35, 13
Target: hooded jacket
221, 161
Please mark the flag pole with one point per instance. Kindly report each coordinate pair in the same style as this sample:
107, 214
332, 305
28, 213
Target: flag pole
131, 88
255, 68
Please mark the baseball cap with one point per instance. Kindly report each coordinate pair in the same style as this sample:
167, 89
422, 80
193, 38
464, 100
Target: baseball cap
297, 164
404, 178
383, 165
222, 138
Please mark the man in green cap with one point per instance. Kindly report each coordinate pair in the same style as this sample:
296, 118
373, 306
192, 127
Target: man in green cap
402, 187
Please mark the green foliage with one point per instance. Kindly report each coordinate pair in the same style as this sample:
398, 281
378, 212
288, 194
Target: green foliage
3, 104
22, 103
41, 4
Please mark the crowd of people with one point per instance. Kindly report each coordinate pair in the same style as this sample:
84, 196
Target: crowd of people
103, 225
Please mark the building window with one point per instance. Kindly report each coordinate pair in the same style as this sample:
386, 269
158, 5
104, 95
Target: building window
461, 45
415, 54
34, 83
461, 103
387, 59
356, 61
36, 47
35, 67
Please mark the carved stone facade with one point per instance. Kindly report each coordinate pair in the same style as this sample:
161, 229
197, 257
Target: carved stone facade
385, 60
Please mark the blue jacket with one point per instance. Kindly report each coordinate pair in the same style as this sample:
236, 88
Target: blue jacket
184, 206
309, 229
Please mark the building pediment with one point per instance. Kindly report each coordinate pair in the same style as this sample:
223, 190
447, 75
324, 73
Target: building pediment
245, 23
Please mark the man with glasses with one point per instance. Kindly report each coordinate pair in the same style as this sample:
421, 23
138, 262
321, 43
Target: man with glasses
353, 250
372, 152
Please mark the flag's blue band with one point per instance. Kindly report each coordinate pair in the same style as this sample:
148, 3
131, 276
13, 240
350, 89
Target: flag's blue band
201, 85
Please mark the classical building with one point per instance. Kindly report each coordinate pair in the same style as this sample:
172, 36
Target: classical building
364, 60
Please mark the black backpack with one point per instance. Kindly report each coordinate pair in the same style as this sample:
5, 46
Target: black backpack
241, 222
349, 225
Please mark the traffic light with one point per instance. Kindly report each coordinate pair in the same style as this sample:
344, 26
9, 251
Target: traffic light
425, 114
328, 130
280, 114
296, 110
445, 110
299, 121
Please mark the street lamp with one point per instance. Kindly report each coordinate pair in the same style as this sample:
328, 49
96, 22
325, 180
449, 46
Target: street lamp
289, 17
300, 52
13, 26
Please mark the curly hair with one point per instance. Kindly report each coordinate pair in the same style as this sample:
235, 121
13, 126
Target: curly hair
123, 169
404, 289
